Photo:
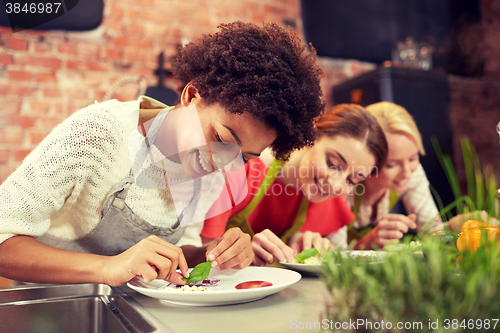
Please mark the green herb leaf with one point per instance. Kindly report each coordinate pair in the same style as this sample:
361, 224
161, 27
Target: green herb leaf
306, 254
199, 272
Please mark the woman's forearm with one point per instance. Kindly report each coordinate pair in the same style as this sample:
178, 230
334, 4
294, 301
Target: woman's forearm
23, 258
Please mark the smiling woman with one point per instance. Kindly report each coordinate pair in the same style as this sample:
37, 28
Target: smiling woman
296, 204
401, 178
115, 191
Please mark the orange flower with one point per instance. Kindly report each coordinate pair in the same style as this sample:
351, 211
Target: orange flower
474, 224
471, 238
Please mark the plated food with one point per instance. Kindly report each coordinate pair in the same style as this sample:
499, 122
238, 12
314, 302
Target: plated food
224, 292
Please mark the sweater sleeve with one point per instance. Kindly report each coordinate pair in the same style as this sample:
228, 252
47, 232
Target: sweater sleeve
418, 200
72, 156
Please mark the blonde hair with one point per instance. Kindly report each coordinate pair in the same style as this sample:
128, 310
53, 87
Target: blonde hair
395, 119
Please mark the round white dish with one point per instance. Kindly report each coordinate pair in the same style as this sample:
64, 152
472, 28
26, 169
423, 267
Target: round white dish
304, 268
224, 292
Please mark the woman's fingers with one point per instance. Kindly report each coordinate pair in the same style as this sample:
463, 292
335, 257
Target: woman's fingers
392, 225
173, 253
233, 250
147, 260
262, 256
268, 241
408, 220
175, 278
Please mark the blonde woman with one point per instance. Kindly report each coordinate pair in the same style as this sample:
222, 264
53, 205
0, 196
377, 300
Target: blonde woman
401, 178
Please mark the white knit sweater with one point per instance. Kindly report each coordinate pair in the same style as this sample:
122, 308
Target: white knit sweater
61, 186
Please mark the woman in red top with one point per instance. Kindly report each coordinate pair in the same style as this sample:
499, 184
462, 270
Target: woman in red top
294, 205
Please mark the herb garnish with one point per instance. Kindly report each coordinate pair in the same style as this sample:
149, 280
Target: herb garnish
199, 272
306, 254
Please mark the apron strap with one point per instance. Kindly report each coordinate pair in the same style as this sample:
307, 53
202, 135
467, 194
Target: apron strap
300, 219
240, 219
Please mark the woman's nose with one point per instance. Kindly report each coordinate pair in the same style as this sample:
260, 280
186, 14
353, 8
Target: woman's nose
406, 170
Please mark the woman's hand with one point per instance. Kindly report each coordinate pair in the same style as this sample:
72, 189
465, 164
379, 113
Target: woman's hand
267, 246
388, 230
232, 250
301, 241
455, 223
151, 258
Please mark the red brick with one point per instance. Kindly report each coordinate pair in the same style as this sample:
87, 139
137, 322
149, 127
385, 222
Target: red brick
82, 65
50, 122
145, 3
6, 171
46, 78
11, 135
36, 136
39, 107
60, 109
10, 107
20, 155
16, 44
115, 13
136, 29
23, 121
19, 76
38, 61
26, 122
52, 92
113, 54
88, 51
131, 13
67, 48
16, 90
133, 55
99, 95
6, 59
4, 156
76, 94
42, 47
130, 41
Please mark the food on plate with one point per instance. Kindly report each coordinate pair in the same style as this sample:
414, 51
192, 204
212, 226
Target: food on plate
198, 286
186, 288
310, 257
253, 284
199, 273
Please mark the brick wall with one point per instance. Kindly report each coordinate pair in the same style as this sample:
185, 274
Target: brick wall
46, 76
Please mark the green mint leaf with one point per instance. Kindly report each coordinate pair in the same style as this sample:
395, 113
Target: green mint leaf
199, 272
306, 254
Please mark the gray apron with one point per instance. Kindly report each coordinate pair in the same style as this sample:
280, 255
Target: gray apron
119, 228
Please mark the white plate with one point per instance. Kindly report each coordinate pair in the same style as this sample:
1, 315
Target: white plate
224, 292
304, 268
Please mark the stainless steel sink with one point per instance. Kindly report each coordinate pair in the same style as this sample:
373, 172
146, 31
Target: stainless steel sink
81, 308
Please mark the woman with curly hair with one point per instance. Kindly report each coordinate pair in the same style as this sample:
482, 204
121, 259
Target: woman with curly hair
297, 204
113, 193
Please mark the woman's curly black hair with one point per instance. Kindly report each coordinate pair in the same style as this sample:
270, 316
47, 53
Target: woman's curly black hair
265, 71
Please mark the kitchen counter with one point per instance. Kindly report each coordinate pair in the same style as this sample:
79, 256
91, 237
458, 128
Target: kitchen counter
289, 310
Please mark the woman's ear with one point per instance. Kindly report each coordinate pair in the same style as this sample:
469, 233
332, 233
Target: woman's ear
189, 94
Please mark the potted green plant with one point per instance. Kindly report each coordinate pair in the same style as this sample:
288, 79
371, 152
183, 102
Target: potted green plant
441, 289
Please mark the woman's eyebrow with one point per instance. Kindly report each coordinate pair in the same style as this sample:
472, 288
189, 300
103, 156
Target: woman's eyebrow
237, 139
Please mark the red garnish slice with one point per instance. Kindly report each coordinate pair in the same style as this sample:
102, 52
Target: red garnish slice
253, 284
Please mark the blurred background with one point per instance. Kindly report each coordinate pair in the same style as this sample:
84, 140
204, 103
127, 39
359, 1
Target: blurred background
440, 59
